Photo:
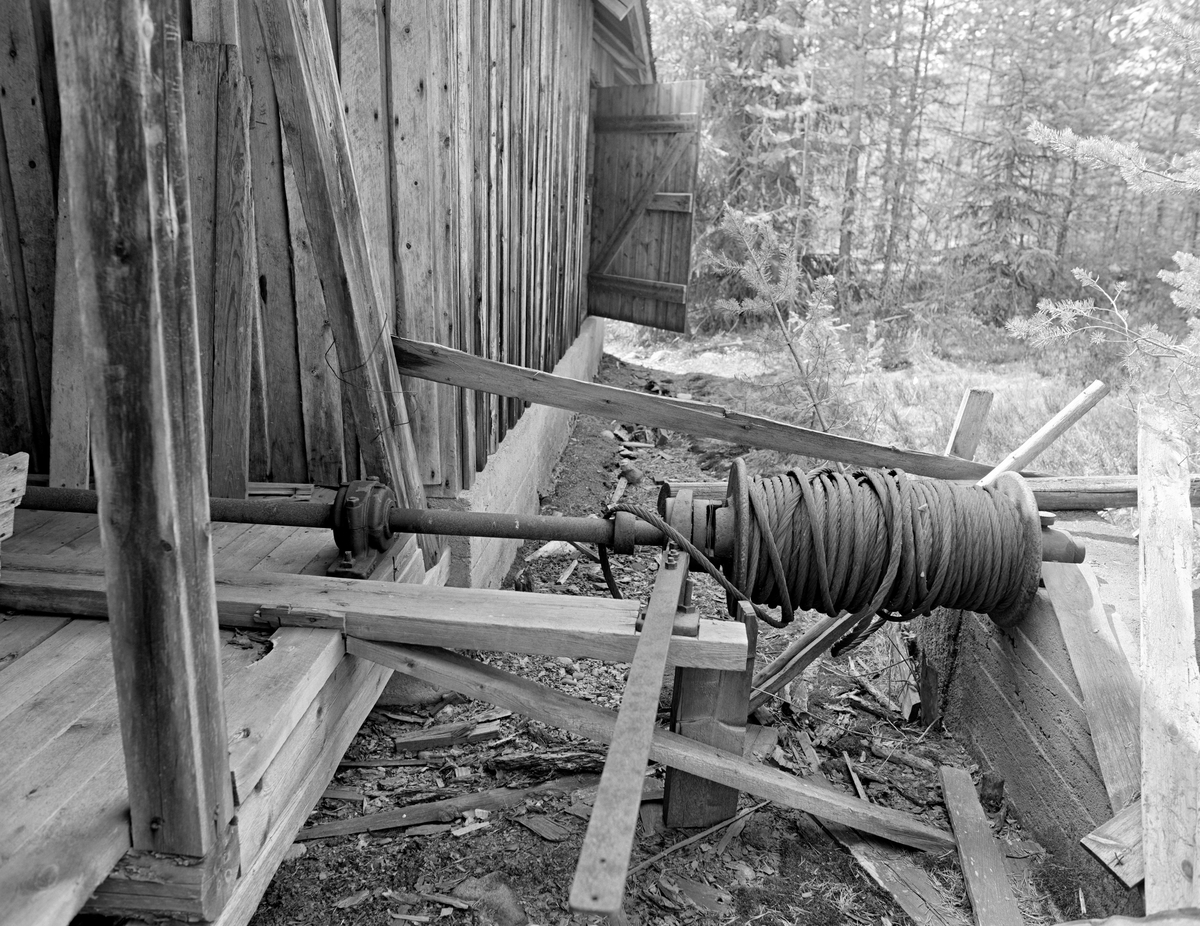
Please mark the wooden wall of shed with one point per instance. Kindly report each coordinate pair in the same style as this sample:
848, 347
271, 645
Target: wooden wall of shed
470, 127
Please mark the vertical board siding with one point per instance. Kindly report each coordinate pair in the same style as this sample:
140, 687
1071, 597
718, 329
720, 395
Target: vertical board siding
469, 129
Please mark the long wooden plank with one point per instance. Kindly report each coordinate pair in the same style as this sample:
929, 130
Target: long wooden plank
235, 282
599, 883
311, 111
1117, 844
992, 899
1111, 692
460, 617
445, 365
283, 445
648, 123
58, 655
69, 402
409, 63
1170, 678
320, 385
486, 683
139, 315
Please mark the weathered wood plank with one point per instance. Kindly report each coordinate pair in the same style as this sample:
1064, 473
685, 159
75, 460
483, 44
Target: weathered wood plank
467, 618
201, 64
312, 115
412, 192
70, 464
22, 632
1170, 678
139, 316
1118, 845
266, 700
969, 423
992, 899
486, 683
235, 282
320, 385
450, 366
645, 124
281, 398
599, 884
1111, 693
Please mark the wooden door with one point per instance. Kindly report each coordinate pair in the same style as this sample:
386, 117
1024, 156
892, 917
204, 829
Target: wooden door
647, 141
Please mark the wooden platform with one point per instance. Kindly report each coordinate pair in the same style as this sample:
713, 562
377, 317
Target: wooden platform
293, 703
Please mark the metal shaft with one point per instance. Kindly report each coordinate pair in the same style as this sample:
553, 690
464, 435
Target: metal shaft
1057, 546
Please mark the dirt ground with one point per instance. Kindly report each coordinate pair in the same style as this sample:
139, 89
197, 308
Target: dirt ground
515, 865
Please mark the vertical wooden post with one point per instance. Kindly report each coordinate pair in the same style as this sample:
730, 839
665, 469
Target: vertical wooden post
1170, 679
121, 77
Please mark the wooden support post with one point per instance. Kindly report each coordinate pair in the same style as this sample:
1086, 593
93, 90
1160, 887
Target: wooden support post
1170, 680
312, 114
710, 706
120, 72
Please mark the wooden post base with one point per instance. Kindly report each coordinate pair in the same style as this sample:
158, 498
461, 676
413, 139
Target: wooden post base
709, 706
170, 885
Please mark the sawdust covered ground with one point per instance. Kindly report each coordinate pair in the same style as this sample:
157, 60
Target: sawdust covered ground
515, 865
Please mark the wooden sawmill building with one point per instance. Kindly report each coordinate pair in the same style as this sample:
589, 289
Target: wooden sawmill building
213, 220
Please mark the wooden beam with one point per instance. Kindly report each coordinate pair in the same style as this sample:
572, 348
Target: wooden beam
130, 222
446, 365
646, 289
312, 113
486, 683
469, 618
992, 900
599, 884
968, 423
641, 199
1170, 679
70, 405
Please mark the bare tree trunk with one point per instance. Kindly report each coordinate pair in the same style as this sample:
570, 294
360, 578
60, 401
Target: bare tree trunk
850, 187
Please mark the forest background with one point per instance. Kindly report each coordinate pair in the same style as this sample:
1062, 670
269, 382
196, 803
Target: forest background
890, 145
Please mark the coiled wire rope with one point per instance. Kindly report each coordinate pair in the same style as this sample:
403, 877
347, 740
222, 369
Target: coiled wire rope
876, 544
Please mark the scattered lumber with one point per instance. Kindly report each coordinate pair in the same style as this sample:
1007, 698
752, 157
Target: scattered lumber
1111, 692
1170, 713
446, 734
1117, 845
444, 811
457, 368
1048, 433
486, 683
992, 899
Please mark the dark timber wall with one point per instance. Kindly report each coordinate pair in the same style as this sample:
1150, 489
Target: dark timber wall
469, 125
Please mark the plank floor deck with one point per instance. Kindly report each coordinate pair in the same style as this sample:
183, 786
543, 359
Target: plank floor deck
64, 808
